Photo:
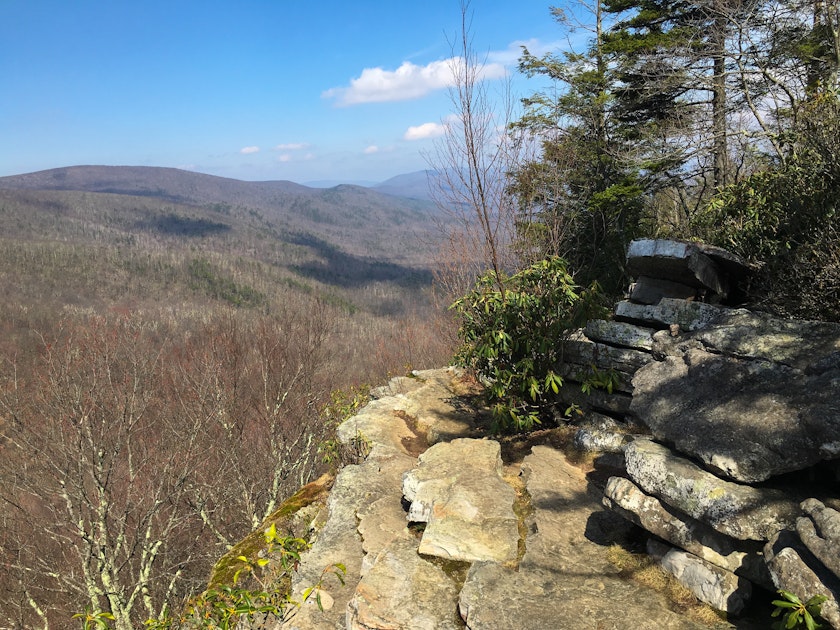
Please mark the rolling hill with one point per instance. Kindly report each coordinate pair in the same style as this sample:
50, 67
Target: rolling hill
92, 233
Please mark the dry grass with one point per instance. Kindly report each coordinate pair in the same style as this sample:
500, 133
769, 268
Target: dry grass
644, 570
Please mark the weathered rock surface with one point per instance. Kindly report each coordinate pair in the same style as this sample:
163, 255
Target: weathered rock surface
604, 357
820, 533
748, 419
741, 557
669, 311
495, 597
458, 490
564, 579
561, 507
336, 544
785, 558
620, 334
740, 511
810, 347
721, 589
365, 499
435, 416
403, 590
675, 261
601, 434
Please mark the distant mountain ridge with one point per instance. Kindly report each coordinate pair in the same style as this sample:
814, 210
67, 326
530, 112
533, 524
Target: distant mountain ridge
358, 217
415, 185
191, 185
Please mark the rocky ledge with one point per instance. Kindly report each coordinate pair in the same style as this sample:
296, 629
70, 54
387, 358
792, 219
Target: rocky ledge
451, 536
719, 437
728, 429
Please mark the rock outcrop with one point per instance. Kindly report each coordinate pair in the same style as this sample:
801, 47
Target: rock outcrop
736, 404
505, 546
720, 428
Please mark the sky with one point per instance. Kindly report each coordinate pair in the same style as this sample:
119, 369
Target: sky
294, 90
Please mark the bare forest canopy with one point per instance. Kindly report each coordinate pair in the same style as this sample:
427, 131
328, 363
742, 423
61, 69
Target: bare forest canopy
169, 342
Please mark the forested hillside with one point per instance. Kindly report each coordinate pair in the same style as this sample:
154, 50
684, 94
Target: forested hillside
169, 340
169, 344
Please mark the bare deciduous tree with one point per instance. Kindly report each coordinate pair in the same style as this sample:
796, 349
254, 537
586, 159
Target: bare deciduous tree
470, 167
139, 456
92, 460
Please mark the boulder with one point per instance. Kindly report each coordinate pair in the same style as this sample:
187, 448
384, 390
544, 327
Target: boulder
619, 334
745, 419
678, 262
669, 312
601, 434
741, 557
820, 533
786, 560
458, 490
711, 584
737, 510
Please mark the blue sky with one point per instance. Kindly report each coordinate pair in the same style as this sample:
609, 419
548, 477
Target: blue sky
251, 89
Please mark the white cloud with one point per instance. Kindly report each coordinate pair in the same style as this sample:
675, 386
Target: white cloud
247, 150
284, 157
510, 56
291, 146
371, 149
407, 82
426, 130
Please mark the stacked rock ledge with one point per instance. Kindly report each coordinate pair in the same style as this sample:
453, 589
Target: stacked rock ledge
739, 407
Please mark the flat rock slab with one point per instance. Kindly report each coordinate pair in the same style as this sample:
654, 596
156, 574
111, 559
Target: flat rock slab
561, 508
740, 511
433, 408
620, 334
748, 420
495, 597
402, 590
669, 312
676, 261
426, 400
691, 264
380, 523
458, 490
564, 579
